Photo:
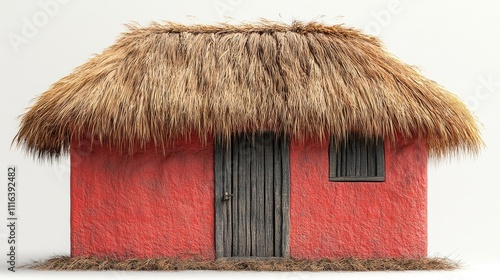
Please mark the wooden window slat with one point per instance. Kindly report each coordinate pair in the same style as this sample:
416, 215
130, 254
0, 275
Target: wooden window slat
357, 160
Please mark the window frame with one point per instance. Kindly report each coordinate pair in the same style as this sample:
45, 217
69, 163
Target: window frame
378, 147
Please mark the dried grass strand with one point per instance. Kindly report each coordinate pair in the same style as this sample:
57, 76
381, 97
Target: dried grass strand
166, 264
166, 81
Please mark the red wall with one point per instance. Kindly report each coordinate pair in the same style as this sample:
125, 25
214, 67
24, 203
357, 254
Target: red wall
153, 205
339, 219
146, 206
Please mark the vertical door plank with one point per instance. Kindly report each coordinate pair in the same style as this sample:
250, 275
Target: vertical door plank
219, 185
269, 194
242, 214
259, 187
234, 199
255, 221
253, 201
248, 189
285, 169
277, 198
228, 235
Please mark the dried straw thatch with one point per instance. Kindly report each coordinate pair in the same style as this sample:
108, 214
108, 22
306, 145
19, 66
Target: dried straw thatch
278, 264
306, 79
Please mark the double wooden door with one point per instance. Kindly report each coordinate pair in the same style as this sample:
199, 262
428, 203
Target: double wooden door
252, 190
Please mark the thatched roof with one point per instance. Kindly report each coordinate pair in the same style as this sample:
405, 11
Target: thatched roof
306, 79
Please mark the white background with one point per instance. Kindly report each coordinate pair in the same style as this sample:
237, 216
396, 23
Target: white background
455, 43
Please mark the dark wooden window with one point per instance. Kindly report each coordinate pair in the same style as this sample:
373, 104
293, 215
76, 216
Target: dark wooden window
357, 159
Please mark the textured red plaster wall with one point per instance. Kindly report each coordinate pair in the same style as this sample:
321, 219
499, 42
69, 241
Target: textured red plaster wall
337, 219
145, 205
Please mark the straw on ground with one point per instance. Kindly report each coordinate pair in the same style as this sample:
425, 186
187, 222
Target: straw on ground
167, 264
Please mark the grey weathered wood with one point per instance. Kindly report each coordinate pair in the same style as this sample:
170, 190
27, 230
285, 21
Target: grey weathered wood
358, 145
351, 156
259, 187
234, 198
344, 150
363, 160
371, 166
335, 157
277, 182
255, 222
380, 159
249, 259
248, 189
242, 177
358, 179
254, 202
269, 195
332, 158
285, 197
356, 160
228, 235
219, 184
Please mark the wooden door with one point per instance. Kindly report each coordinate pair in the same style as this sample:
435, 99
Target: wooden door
252, 188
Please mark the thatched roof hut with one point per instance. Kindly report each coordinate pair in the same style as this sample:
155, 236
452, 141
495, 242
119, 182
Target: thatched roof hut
165, 81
